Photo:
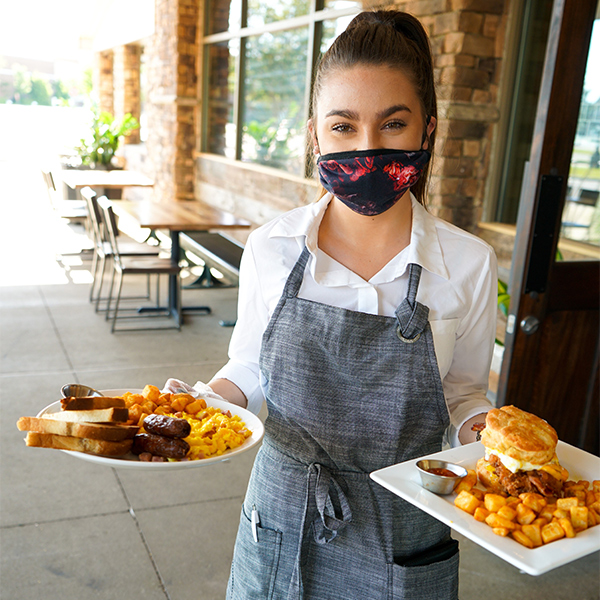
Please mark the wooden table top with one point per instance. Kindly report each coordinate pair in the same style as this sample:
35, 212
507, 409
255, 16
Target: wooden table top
76, 178
183, 215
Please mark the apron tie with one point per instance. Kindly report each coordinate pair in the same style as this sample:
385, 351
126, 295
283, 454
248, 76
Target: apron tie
321, 485
327, 528
412, 315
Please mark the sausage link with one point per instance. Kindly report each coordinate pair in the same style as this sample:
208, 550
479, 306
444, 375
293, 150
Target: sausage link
159, 445
167, 426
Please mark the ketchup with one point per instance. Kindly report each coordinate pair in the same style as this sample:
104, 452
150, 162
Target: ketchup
442, 472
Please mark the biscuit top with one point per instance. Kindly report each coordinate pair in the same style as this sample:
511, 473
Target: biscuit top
519, 435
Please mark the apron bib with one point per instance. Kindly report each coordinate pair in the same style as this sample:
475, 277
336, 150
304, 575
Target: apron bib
347, 393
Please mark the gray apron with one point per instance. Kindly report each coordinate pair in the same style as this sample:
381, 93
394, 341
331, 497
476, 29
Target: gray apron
347, 393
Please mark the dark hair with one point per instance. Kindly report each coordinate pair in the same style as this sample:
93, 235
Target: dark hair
386, 38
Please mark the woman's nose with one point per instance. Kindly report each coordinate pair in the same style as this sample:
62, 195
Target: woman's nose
369, 140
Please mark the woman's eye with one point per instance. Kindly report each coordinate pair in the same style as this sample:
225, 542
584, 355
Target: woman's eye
342, 128
395, 125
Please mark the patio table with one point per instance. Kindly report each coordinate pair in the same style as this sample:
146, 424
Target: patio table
178, 216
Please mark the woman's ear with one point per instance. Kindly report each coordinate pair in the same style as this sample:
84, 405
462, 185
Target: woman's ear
313, 137
431, 123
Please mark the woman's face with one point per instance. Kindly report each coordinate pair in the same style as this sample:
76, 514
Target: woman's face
368, 107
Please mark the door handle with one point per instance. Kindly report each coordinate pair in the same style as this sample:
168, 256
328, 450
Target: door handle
530, 324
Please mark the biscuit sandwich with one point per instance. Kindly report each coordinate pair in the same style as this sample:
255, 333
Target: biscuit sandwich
520, 454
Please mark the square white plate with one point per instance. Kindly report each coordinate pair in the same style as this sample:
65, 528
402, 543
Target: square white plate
130, 461
403, 480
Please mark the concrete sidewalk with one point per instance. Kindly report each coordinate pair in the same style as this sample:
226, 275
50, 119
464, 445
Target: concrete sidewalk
73, 530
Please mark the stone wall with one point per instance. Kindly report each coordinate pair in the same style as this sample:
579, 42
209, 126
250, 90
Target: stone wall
103, 81
126, 83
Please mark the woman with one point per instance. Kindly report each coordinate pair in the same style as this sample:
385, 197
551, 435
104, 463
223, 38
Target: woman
367, 325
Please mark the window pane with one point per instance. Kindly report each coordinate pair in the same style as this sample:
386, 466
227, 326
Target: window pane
273, 113
340, 4
261, 12
220, 95
223, 15
581, 215
331, 29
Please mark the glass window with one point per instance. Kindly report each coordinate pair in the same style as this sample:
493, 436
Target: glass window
261, 12
221, 129
581, 215
259, 56
274, 90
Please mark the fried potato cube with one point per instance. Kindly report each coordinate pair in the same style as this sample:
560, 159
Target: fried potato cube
540, 521
534, 501
534, 533
560, 513
148, 407
596, 486
590, 498
180, 401
523, 539
494, 502
579, 517
502, 531
552, 532
481, 514
593, 518
547, 512
525, 515
567, 527
584, 484
135, 412
467, 483
566, 503
164, 399
494, 520
466, 501
513, 500
595, 506
507, 512
196, 406
479, 494
151, 392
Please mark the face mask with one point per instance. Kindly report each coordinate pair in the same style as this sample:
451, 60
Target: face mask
371, 181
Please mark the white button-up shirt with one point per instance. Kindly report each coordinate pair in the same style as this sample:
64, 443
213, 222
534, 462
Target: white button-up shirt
458, 284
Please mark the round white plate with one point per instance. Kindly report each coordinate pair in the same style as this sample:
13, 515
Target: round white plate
130, 461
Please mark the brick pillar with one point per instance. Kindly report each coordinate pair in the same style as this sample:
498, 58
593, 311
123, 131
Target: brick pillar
173, 102
127, 92
103, 80
467, 38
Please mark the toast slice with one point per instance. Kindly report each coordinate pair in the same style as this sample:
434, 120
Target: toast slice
98, 415
94, 431
91, 402
63, 442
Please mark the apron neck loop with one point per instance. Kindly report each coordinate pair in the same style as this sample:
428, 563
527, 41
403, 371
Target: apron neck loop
412, 315
294, 281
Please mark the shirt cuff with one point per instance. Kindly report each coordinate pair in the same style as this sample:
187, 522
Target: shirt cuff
246, 379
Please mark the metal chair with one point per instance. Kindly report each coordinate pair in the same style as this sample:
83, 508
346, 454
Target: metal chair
103, 251
72, 210
140, 265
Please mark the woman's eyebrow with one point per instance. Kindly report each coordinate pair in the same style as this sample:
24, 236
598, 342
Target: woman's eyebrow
393, 109
354, 116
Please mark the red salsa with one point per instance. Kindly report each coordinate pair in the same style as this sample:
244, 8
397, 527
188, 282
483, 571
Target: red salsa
442, 472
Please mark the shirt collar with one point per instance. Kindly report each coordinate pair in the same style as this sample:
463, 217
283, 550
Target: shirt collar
424, 248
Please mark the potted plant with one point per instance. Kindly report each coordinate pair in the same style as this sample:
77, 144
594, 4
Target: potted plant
98, 149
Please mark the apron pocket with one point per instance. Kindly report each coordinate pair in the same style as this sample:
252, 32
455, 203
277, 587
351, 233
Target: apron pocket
254, 563
429, 575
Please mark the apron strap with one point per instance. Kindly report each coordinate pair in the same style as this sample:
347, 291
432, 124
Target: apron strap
294, 280
412, 315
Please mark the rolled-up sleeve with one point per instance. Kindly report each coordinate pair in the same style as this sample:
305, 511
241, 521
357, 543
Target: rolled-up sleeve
244, 347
